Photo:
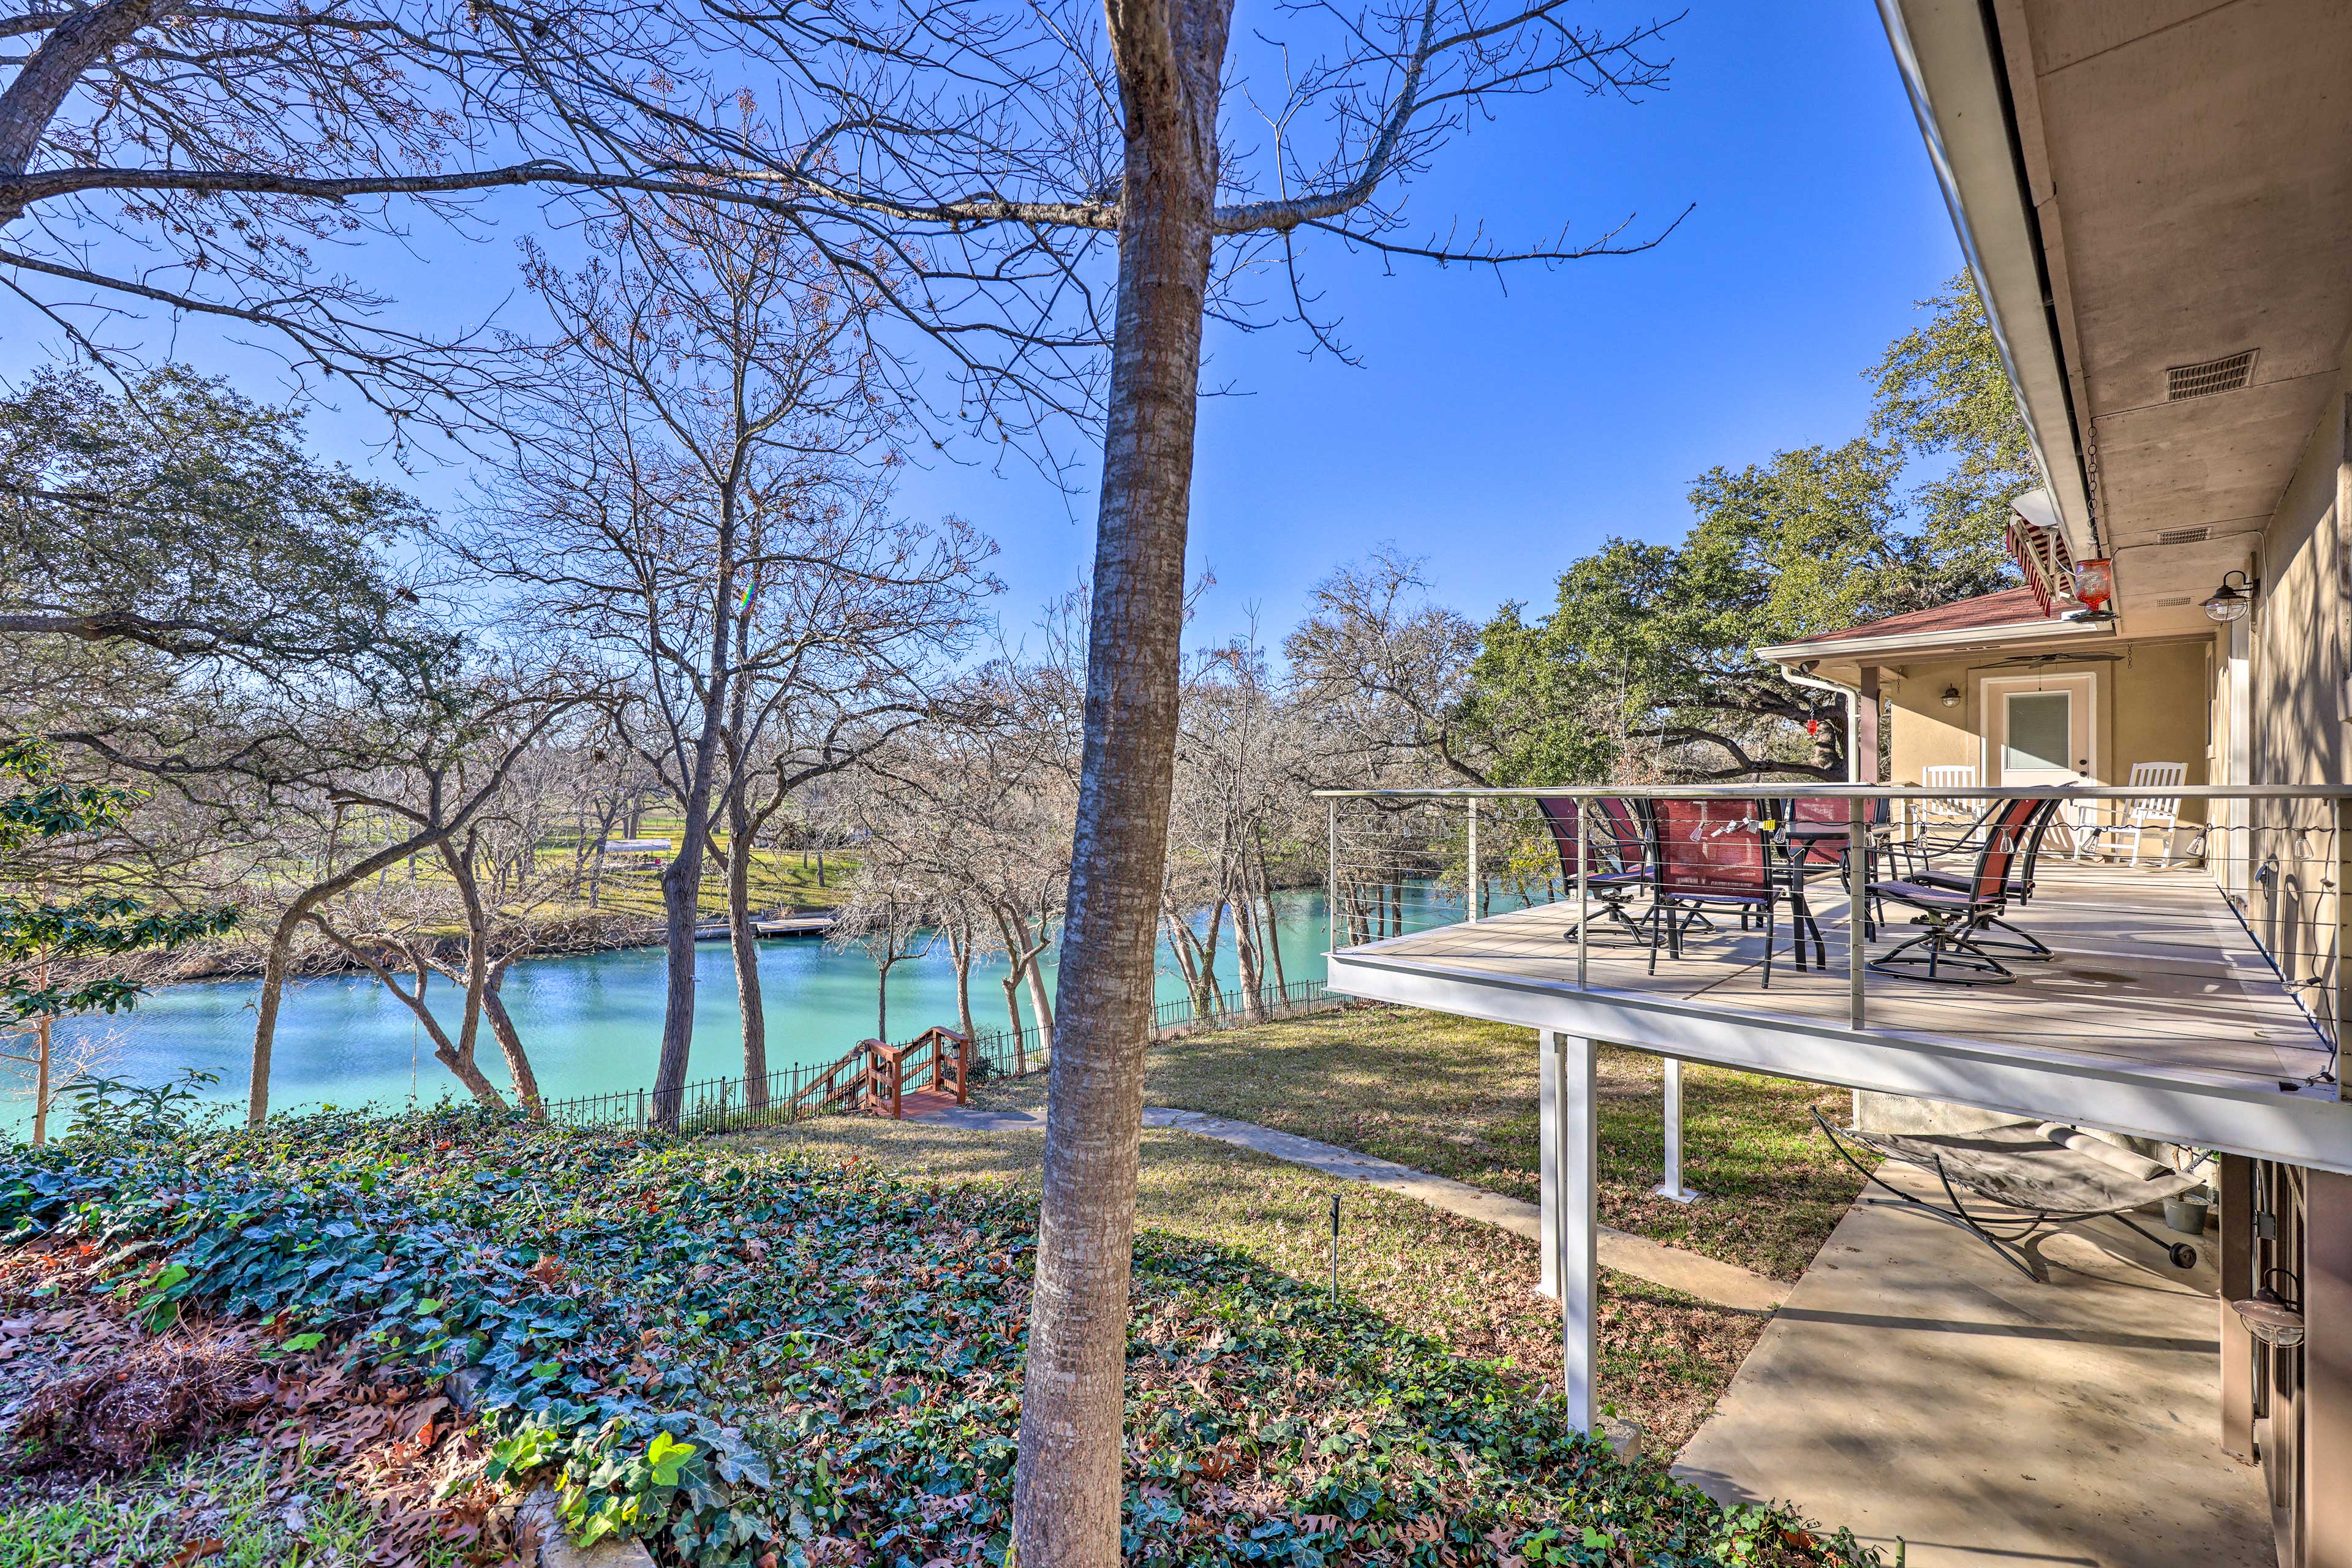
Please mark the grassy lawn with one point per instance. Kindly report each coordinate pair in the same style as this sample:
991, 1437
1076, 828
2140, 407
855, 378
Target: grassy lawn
1457, 1097
219, 1496
1665, 1358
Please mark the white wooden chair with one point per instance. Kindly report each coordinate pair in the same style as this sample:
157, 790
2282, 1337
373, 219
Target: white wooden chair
2141, 814
1937, 825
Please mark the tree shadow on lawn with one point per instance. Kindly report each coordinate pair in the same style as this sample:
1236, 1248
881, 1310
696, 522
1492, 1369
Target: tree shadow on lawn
1665, 1358
1456, 1097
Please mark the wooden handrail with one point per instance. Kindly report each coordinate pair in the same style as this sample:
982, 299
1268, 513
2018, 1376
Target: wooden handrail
882, 1073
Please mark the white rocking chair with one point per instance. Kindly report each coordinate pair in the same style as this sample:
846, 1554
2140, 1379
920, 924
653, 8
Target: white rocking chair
2142, 814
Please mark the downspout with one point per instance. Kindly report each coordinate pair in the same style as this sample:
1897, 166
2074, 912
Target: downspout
1852, 695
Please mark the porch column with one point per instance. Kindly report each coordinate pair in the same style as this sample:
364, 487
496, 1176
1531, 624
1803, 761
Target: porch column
2327, 1371
1671, 1187
1863, 766
1570, 1161
2234, 1184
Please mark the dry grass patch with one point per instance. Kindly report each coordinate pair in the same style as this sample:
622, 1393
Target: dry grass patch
1664, 1358
1457, 1097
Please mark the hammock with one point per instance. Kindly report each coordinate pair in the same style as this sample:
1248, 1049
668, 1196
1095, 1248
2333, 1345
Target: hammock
2028, 1179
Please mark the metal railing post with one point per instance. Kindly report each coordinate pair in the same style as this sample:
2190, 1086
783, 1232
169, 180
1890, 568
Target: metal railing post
1857, 914
1331, 893
1583, 885
1470, 887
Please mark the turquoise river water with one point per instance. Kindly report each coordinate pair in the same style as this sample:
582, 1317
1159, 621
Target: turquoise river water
590, 1023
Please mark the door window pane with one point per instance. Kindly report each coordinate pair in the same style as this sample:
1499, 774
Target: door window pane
2039, 724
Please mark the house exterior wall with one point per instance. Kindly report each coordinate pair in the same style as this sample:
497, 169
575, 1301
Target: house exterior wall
2154, 705
2299, 664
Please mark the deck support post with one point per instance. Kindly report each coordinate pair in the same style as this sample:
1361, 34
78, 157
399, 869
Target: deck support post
1671, 1187
2327, 1395
1570, 1162
2235, 1182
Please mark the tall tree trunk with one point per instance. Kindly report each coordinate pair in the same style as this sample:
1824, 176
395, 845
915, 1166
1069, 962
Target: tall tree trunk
1041, 1006
749, 998
1246, 973
274, 961
510, 1039
1067, 1487
1013, 1012
681, 890
41, 1047
960, 953
1273, 923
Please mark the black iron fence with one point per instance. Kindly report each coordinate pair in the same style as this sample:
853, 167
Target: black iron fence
788, 1094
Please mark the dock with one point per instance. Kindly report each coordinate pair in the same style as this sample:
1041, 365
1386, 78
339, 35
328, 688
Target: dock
816, 924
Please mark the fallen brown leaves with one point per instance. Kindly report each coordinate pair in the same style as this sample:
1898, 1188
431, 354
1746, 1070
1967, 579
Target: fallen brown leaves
119, 1407
94, 1392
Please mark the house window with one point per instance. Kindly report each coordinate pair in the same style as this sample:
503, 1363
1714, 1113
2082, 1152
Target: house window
2038, 725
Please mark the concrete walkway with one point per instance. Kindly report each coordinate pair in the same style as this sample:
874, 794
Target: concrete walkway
1916, 1385
1724, 1284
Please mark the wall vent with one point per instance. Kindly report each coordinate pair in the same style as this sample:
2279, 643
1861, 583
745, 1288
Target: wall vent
2183, 381
2165, 603
2184, 535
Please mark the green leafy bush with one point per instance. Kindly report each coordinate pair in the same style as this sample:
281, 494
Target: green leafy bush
753, 1359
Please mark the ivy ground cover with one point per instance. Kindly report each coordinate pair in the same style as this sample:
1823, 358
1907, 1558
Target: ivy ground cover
768, 1359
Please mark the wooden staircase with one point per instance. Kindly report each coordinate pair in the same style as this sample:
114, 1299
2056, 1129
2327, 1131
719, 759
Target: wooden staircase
929, 1072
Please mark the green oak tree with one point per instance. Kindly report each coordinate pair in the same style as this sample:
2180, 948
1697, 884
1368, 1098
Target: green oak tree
1644, 666
54, 835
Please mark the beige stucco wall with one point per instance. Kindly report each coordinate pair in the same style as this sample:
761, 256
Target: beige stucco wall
2152, 706
2297, 702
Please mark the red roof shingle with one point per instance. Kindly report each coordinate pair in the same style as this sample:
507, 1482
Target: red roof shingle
2009, 607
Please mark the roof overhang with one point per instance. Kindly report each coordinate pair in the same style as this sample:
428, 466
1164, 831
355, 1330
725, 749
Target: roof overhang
1959, 86
2156, 205
1871, 649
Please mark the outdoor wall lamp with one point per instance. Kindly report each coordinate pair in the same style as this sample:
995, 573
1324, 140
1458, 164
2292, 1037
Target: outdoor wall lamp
2234, 597
1951, 697
2273, 1317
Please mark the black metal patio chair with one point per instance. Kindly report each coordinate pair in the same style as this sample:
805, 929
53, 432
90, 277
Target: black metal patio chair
1614, 854
1954, 918
2018, 890
1717, 855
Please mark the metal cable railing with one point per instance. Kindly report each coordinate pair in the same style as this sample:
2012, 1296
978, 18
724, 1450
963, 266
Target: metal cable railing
1848, 903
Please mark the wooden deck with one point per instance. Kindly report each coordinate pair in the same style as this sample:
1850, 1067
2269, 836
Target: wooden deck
2153, 969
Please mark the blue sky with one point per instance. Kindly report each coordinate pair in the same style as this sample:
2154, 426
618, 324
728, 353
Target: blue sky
1496, 432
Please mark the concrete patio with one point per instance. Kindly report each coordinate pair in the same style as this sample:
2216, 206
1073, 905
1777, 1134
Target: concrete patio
1916, 1387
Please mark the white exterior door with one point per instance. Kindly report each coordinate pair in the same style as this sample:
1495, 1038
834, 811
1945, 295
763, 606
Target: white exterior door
2040, 730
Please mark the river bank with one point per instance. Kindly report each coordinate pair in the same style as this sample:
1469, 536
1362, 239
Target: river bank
591, 1020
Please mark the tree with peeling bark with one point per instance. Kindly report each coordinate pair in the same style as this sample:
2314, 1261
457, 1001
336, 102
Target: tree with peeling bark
701, 501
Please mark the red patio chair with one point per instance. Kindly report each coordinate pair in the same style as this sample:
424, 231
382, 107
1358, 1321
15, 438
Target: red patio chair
1713, 854
1954, 916
1614, 861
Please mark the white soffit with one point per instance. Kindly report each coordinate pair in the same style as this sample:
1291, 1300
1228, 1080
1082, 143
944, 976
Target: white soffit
1958, 92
